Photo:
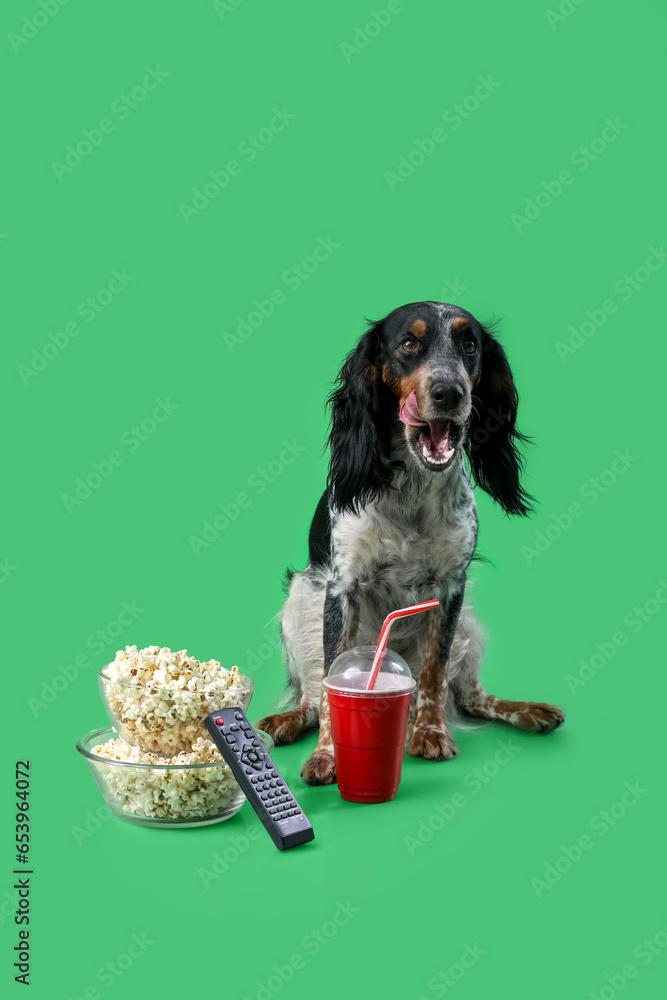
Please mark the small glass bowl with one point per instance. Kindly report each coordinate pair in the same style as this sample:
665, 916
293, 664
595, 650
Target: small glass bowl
165, 795
166, 720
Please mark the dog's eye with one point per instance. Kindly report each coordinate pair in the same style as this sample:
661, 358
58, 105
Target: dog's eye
469, 346
409, 345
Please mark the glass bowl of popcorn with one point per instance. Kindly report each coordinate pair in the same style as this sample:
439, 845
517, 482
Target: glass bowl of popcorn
158, 699
150, 789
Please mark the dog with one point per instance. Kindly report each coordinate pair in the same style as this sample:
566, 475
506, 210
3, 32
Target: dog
426, 388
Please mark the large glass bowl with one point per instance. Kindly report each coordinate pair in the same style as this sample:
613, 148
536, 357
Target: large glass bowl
165, 795
166, 720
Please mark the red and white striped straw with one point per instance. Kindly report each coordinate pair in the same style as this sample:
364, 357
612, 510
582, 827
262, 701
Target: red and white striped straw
384, 635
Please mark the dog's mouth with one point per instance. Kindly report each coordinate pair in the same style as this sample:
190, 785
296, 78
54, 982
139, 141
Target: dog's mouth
434, 442
435, 445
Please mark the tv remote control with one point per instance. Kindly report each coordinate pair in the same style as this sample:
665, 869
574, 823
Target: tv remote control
260, 779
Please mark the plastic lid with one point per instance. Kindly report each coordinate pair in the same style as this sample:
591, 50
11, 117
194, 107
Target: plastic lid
350, 671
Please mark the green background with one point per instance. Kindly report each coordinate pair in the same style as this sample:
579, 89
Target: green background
446, 233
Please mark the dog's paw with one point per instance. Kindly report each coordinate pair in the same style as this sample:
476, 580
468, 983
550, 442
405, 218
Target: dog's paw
283, 727
536, 717
320, 768
431, 743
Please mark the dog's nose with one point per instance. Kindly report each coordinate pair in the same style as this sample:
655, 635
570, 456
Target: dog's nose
446, 394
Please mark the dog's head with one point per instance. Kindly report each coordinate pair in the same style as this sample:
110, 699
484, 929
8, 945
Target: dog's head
435, 373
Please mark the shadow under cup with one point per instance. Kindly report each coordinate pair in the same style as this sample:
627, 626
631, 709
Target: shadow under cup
369, 728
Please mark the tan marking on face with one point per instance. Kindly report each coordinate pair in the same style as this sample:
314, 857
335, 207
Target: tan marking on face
418, 381
460, 324
418, 328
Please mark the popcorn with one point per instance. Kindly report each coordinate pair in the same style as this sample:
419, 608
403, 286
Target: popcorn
158, 699
203, 752
202, 793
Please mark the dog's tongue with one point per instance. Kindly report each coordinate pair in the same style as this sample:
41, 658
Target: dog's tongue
410, 412
435, 442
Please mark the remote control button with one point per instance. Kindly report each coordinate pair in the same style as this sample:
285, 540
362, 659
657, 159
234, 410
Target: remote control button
248, 770
233, 727
238, 716
219, 722
275, 774
279, 781
230, 739
251, 756
256, 742
272, 784
254, 778
264, 796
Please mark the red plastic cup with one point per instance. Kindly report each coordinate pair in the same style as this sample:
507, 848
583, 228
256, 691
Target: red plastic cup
369, 728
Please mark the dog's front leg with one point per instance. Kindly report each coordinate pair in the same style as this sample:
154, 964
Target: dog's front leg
430, 737
320, 768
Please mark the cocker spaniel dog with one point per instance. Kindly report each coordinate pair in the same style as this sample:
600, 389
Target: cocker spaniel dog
426, 387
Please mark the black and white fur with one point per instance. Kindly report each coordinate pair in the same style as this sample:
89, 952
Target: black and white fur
398, 525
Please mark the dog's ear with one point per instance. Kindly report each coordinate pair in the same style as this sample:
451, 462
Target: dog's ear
360, 467
493, 438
